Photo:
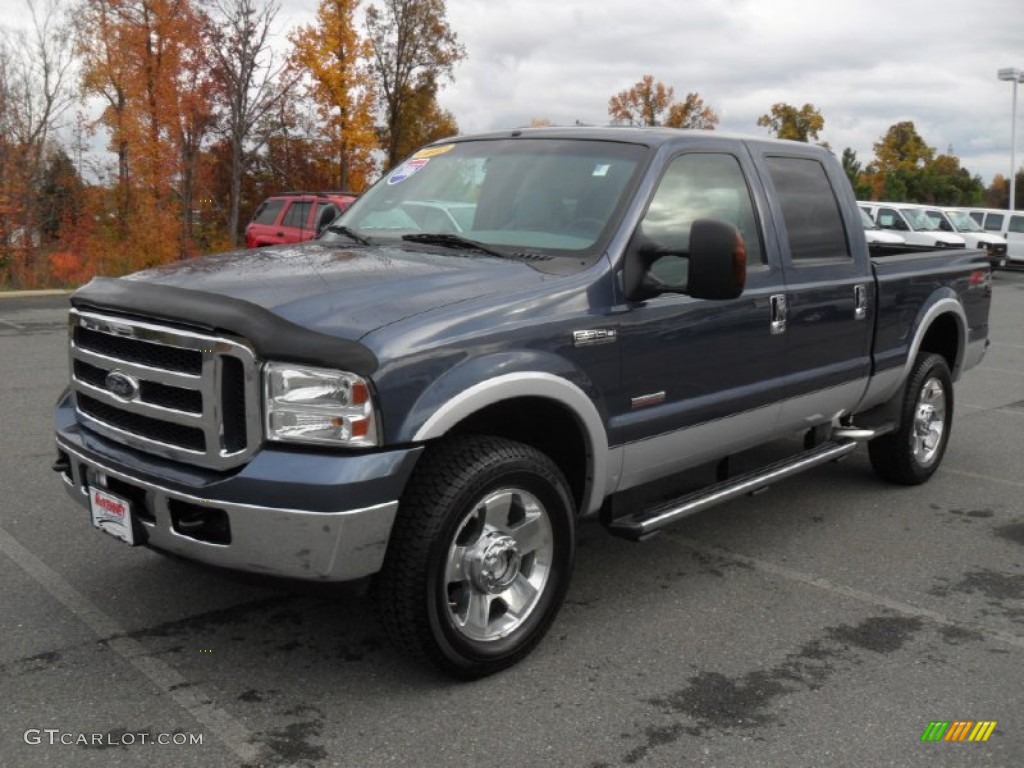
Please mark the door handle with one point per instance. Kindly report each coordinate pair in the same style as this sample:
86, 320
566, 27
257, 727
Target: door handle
778, 305
860, 302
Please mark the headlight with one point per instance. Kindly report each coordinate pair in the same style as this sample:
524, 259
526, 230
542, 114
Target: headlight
318, 405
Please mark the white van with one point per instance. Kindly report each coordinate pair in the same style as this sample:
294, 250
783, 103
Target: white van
876, 236
910, 221
1007, 224
960, 221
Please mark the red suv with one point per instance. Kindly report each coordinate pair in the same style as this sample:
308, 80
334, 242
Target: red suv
292, 217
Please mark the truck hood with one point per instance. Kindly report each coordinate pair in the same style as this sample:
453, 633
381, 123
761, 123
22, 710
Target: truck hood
347, 292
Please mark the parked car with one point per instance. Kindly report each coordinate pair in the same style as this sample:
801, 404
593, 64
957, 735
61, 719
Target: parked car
293, 217
959, 221
879, 239
1007, 224
507, 334
916, 227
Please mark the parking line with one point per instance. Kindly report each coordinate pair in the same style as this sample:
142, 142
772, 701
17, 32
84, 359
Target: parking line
1000, 370
986, 478
856, 594
15, 326
168, 680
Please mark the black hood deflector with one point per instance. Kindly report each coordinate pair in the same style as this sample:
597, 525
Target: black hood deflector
270, 335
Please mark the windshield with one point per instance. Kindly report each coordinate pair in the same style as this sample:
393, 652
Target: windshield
963, 222
919, 220
866, 220
518, 196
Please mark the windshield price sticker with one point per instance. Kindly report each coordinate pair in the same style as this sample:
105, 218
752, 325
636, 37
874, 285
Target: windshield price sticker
434, 151
407, 169
111, 515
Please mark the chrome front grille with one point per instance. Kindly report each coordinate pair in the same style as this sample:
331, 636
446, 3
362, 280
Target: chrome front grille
167, 391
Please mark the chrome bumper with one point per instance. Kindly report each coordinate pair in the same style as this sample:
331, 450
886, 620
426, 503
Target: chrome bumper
294, 543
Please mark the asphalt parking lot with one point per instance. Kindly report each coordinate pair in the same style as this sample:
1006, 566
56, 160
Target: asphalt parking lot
826, 622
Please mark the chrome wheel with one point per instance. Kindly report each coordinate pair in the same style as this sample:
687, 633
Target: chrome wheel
911, 453
929, 421
498, 564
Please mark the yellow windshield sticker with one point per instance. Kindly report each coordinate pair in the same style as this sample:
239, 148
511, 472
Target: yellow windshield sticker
434, 151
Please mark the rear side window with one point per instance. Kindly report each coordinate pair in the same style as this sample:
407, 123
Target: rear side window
994, 222
297, 215
809, 208
267, 212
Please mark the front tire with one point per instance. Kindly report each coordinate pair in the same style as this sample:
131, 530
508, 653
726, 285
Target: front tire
911, 454
480, 555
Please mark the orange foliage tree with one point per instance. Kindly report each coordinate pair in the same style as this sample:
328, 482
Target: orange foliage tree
148, 59
34, 92
650, 102
332, 58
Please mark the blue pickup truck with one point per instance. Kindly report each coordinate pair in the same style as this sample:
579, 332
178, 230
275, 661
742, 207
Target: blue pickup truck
508, 333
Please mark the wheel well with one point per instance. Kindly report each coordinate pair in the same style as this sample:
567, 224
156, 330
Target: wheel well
544, 424
943, 338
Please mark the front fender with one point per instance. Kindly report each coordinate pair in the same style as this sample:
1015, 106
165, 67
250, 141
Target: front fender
468, 388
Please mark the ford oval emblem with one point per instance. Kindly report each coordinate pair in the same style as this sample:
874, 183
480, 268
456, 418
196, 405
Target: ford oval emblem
121, 384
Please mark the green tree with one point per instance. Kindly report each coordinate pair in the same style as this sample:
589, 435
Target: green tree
943, 181
61, 195
650, 102
414, 50
785, 121
855, 173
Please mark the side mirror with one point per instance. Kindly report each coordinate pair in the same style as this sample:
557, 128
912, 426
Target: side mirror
715, 266
718, 261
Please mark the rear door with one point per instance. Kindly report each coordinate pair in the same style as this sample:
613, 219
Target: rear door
829, 289
295, 224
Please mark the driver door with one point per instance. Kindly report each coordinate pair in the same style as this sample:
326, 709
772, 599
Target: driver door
700, 377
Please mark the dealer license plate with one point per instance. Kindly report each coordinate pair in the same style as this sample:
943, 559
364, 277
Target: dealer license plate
112, 515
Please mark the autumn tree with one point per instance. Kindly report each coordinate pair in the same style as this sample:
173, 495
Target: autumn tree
251, 84
414, 51
335, 58
35, 91
902, 148
650, 102
691, 113
148, 60
785, 121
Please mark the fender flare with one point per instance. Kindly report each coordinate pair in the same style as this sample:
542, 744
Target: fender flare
944, 303
521, 384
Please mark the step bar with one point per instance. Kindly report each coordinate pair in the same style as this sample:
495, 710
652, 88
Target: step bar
648, 521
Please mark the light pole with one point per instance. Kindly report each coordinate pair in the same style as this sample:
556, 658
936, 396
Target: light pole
1015, 75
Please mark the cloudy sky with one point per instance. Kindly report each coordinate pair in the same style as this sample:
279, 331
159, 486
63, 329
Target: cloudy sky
865, 64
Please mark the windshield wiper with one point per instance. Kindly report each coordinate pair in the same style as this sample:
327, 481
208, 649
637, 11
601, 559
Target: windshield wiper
453, 241
341, 229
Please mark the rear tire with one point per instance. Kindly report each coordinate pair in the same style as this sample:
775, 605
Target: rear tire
911, 454
480, 555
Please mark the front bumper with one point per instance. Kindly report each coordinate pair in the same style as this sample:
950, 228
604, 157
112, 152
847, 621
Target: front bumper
217, 519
